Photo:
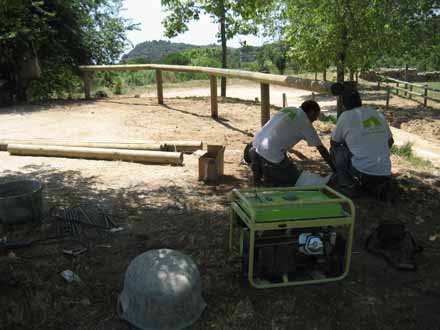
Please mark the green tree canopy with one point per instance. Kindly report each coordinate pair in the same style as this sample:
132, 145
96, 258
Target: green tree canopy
60, 35
352, 34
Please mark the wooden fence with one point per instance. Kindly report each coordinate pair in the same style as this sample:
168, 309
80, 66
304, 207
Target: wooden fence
408, 90
264, 79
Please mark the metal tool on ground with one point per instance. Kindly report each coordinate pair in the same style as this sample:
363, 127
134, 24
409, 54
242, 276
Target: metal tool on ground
292, 236
76, 220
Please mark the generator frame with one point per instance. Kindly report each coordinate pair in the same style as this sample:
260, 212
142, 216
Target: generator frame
249, 220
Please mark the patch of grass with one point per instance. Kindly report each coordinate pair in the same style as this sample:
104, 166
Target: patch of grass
407, 153
328, 119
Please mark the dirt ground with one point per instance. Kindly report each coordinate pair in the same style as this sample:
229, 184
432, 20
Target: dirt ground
165, 206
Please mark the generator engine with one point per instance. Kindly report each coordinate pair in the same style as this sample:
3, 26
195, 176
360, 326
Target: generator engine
295, 253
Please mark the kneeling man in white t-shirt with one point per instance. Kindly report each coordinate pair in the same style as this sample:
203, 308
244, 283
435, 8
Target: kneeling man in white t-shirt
360, 149
288, 127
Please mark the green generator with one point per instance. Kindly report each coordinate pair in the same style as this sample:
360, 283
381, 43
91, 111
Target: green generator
292, 236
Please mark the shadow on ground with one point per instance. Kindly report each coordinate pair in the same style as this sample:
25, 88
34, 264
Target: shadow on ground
195, 220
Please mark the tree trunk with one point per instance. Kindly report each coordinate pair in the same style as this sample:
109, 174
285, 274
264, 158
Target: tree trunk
406, 72
224, 49
324, 75
351, 75
340, 70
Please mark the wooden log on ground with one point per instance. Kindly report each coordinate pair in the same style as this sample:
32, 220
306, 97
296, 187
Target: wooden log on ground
105, 145
183, 146
155, 157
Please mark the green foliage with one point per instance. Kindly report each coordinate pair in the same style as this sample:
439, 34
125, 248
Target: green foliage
406, 152
118, 87
328, 119
250, 66
60, 83
176, 59
206, 56
226, 13
351, 34
59, 35
181, 12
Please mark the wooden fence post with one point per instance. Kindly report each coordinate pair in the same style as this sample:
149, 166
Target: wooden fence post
284, 100
410, 89
397, 86
388, 98
324, 75
159, 84
378, 85
214, 102
406, 87
87, 82
265, 103
425, 99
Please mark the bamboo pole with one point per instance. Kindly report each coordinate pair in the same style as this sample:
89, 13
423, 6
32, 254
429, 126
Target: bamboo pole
265, 103
214, 102
158, 157
159, 84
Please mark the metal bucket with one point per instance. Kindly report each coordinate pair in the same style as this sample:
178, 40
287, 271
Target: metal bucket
21, 202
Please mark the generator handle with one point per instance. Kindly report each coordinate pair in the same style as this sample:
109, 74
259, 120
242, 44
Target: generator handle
236, 193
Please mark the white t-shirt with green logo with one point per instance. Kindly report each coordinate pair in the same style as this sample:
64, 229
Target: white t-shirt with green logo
288, 127
366, 133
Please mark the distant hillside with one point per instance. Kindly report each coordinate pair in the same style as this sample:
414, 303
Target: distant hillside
155, 50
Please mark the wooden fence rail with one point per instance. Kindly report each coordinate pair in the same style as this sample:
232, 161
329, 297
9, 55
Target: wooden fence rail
265, 80
407, 90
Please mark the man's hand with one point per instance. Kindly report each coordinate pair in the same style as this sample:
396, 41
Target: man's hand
326, 156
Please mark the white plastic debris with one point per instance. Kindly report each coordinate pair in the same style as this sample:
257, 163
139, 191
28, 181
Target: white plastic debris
116, 229
311, 179
70, 276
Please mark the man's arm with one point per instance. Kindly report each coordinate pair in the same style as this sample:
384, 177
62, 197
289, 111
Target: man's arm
326, 156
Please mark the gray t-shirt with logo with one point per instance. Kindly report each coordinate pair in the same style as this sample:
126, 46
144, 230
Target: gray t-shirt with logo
285, 129
366, 133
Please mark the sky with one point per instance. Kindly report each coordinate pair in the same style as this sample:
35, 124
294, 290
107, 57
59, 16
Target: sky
149, 14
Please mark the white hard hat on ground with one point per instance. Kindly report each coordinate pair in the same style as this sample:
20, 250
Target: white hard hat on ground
162, 291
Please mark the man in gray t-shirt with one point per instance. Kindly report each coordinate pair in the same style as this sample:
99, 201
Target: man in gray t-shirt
288, 127
360, 149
